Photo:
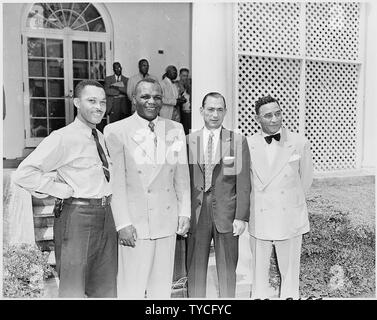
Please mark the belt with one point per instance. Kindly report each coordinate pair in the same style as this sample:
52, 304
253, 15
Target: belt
103, 202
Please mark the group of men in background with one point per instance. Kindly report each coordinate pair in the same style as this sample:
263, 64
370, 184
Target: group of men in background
176, 93
142, 183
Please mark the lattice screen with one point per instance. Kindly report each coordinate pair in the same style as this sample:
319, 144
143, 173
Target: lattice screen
270, 62
271, 28
330, 119
332, 30
260, 76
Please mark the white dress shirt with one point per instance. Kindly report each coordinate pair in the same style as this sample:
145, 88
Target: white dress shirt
170, 92
271, 148
71, 153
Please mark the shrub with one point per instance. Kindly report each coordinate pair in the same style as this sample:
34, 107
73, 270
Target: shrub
25, 268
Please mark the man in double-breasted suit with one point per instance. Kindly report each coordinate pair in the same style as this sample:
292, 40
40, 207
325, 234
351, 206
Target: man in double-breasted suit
151, 198
281, 173
118, 106
219, 164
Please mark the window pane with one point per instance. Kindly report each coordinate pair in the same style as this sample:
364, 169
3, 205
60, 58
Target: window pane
38, 128
91, 13
54, 48
36, 67
79, 7
55, 68
56, 88
80, 24
79, 50
56, 124
97, 51
37, 88
81, 69
97, 70
56, 108
38, 108
35, 19
35, 47
97, 26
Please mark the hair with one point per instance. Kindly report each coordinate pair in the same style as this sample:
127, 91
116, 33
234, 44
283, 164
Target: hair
148, 80
84, 83
264, 100
214, 95
142, 60
116, 63
184, 70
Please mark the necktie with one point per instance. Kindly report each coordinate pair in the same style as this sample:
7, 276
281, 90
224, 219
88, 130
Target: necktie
105, 164
275, 136
208, 166
151, 125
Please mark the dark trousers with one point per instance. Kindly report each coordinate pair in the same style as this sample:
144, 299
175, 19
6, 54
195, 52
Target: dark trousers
86, 251
186, 121
226, 255
121, 109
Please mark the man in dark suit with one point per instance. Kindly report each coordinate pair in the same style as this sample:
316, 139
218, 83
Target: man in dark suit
219, 163
118, 106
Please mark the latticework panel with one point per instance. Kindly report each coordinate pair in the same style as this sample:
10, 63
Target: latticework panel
269, 28
330, 115
332, 30
261, 76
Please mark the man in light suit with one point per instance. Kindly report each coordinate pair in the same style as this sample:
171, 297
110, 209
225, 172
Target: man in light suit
219, 163
281, 173
118, 106
151, 198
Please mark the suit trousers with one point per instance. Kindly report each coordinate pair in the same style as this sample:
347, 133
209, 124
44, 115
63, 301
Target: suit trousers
86, 251
121, 109
148, 267
226, 254
288, 254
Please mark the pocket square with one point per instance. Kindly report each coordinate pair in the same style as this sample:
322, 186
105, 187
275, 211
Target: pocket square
294, 157
228, 160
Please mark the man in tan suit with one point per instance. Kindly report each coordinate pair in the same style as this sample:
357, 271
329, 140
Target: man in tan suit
281, 173
151, 198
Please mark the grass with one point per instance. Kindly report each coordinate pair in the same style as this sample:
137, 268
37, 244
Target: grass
338, 254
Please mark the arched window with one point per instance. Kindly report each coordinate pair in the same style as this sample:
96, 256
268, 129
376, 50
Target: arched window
63, 43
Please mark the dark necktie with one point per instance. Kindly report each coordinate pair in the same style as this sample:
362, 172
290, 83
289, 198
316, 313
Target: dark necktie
275, 136
208, 166
151, 126
105, 164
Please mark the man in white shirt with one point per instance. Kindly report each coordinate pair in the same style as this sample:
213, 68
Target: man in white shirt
151, 199
281, 173
133, 80
171, 98
84, 230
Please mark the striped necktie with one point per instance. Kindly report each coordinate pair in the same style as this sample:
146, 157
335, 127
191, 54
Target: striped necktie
208, 165
105, 164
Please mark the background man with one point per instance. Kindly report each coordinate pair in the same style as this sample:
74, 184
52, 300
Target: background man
151, 201
184, 90
118, 106
171, 99
281, 173
84, 230
219, 164
142, 74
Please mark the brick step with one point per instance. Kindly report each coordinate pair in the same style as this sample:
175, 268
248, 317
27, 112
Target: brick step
51, 258
43, 216
46, 245
43, 234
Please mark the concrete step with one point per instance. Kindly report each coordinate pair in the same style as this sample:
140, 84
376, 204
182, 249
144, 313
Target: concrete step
51, 258
43, 216
44, 233
46, 245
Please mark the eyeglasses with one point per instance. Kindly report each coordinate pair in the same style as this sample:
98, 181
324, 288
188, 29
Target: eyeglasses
270, 115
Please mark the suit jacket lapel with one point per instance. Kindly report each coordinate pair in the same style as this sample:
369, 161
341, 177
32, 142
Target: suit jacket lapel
259, 159
138, 136
161, 149
196, 149
223, 145
284, 151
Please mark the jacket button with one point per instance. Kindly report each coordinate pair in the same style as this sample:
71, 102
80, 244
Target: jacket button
282, 192
202, 188
149, 190
168, 190
138, 171
199, 203
168, 207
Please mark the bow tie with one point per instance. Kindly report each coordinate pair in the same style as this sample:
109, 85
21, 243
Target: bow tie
275, 136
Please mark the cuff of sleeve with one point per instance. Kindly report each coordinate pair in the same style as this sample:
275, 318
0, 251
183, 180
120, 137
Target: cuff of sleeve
123, 226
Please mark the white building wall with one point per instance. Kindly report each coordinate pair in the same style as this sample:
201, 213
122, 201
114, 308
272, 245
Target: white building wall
370, 99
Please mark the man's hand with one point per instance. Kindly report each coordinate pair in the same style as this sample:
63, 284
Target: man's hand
127, 236
183, 226
238, 227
